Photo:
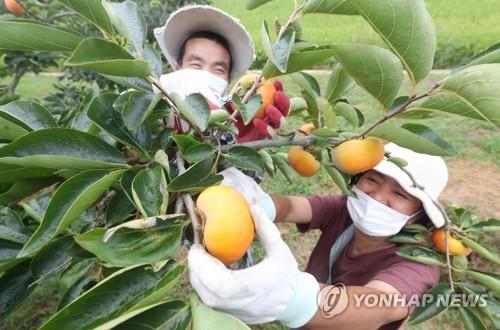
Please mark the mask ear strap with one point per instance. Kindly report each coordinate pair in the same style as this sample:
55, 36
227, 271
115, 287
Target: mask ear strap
416, 213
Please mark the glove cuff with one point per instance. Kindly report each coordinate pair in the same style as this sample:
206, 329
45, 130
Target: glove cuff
304, 302
269, 208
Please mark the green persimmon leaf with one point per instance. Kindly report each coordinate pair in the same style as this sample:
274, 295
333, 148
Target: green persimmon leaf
139, 106
421, 255
490, 55
29, 115
205, 317
195, 177
72, 198
472, 93
93, 11
429, 311
300, 59
125, 290
279, 52
128, 20
194, 108
52, 259
119, 208
164, 315
348, 112
61, 148
23, 188
338, 7
416, 137
149, 191
407, 29
377, 70
28, 35
338, 84
470, 320
15, 287
107, 58
11, 131
103, 113
245, 158
134, 246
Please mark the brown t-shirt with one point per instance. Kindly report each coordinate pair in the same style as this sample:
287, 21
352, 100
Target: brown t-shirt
330, 215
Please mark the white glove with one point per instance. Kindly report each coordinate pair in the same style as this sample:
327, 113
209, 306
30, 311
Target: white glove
274, 289
252, 192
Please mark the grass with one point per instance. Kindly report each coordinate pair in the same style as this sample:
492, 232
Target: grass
463, 27
36, 87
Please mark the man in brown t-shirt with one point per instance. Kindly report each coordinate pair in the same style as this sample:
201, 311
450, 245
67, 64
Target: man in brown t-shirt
386, 199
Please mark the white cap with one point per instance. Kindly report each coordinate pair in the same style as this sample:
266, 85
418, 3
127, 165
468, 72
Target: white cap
189, 19
429, 172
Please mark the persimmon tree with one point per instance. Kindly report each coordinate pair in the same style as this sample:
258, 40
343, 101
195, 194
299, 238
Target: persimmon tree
104, 198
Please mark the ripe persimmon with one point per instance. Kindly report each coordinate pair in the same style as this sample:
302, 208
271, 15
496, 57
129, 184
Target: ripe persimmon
306, 129
303, 162
266, 89
14, 7
455, 247
356, 156
228, 228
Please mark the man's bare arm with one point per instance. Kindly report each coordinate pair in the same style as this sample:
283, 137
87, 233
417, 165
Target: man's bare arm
292, 209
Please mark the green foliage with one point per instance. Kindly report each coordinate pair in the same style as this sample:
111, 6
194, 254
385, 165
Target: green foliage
462, 30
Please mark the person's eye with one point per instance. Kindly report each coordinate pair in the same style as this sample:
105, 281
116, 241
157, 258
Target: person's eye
372, 180
195, 65
400, 194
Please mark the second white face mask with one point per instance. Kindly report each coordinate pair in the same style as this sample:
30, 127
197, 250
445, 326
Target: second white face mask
374, 218
189, 81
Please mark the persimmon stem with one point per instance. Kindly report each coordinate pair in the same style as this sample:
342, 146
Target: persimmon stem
188, 201
179, 205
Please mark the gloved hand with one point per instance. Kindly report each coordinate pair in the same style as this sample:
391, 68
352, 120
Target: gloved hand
274, 289
273, 119
252, 192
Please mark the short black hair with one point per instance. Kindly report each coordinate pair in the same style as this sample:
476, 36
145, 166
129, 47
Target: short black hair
210, 35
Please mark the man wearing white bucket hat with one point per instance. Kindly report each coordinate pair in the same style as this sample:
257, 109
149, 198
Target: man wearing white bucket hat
353, 256
207, 49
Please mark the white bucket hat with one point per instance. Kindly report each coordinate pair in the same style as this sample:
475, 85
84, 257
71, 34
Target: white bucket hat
429, 172
189, 19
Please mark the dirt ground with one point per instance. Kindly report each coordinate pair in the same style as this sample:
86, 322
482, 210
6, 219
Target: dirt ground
474, 184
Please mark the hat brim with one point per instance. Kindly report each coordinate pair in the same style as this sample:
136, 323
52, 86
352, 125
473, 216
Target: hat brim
392, 170
187, 20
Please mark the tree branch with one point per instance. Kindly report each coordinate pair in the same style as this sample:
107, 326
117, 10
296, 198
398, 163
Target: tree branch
297, 141
188, 201
401, 109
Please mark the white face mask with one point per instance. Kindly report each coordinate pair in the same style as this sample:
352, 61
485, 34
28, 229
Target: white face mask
189, 81
374, 218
